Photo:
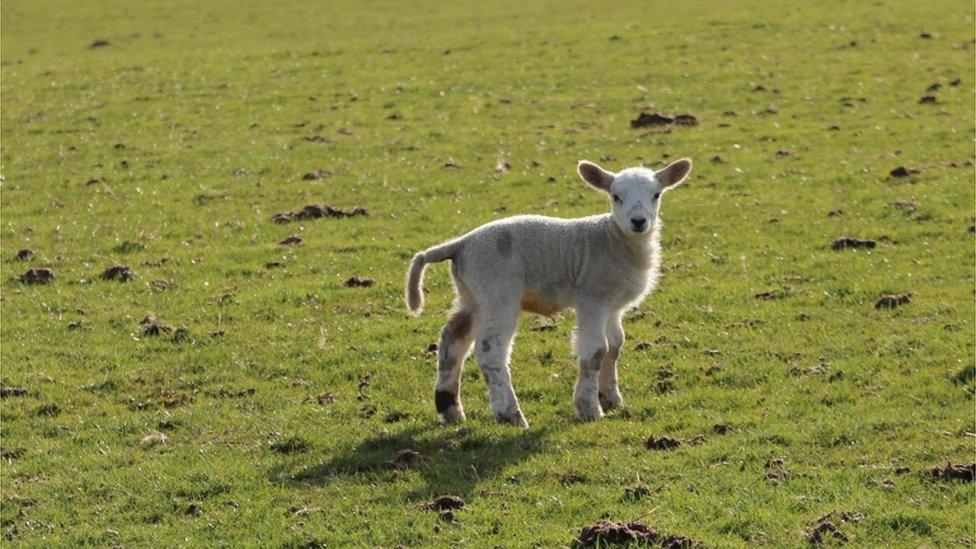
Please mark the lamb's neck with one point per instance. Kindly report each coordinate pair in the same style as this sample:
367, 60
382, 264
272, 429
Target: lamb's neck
636, 249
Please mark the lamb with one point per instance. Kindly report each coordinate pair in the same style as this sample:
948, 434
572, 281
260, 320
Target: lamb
600, 265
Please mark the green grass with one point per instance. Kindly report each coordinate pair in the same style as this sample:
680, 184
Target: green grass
207, 104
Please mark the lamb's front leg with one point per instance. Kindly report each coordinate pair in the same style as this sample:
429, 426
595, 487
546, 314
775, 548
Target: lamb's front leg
591, 348
609, 392
493, 348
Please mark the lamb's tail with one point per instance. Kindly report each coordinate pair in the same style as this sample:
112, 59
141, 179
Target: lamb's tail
415, 275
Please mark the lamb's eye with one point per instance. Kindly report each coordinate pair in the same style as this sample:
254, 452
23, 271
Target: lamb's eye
657, 195
616, 198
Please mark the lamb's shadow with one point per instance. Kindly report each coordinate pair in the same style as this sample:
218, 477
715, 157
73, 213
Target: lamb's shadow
452, 461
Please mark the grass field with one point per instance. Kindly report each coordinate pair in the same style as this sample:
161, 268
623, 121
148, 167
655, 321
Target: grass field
169, 149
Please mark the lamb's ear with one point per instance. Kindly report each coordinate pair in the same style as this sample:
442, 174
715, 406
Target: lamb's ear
675, 173
595, 175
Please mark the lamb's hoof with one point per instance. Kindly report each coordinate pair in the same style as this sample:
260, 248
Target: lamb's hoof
448, 406
609, 401
512, 418
452, 415
588, 411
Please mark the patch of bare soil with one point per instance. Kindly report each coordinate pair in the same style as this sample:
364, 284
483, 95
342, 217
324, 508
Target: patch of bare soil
359, 282
890, 301
25, 254
291, 241
770, 295
100, 43
960, 471
315, 211
122, 273
37, 275
661, 443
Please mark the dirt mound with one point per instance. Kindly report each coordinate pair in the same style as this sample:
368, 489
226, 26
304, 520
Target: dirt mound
447, 501
12, 391
315, 211
847, 242
661, 443
654, 118
406, 459
316, 174
37, 275
776, 470
890, 301
960, 471
152, 326
902, 171
607, 532
122, 273
824, 530
359, 282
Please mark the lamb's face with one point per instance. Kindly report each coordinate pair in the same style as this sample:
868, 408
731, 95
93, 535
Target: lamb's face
635, 196
635, 193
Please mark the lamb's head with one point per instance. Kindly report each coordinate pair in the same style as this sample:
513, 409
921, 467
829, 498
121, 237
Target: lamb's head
635, 193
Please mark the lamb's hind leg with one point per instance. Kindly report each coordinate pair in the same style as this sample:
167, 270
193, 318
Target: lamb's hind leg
493, 345
609, 392
455, 342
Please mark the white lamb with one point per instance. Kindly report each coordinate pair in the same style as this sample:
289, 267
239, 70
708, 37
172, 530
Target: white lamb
601, 265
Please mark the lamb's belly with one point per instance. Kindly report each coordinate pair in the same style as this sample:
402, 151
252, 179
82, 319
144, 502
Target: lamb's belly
544, 301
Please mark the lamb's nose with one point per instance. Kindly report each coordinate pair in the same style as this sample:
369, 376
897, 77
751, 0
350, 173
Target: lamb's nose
638, 223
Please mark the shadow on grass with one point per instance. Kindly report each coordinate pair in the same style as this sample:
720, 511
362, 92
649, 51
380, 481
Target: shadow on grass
453, 460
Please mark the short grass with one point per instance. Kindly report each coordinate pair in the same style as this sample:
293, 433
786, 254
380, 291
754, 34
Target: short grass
169, 148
